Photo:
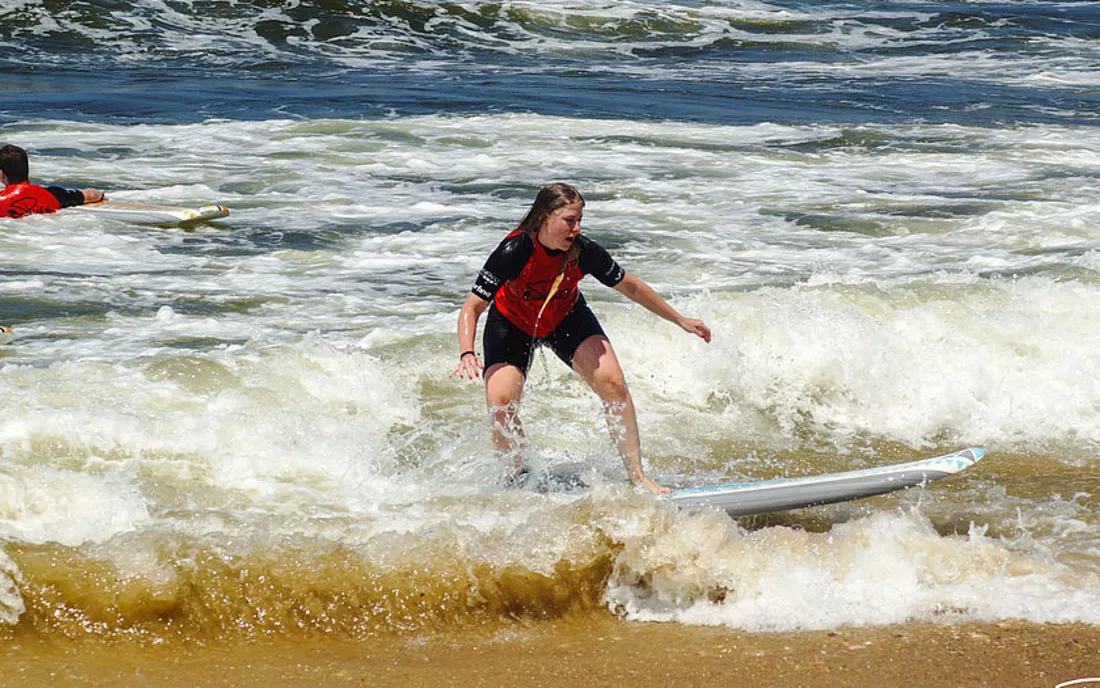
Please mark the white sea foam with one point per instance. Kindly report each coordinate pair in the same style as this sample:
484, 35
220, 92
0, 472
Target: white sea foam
684, 216
12, 605
909, 363
889, 568
723, 220
45, 504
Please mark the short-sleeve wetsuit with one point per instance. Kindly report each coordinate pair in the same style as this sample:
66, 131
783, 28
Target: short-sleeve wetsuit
518, 277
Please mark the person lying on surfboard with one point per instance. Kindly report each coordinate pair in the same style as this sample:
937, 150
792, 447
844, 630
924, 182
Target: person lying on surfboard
529, 286
21, 198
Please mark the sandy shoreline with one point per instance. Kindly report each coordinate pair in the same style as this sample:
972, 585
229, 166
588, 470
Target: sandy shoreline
600, 652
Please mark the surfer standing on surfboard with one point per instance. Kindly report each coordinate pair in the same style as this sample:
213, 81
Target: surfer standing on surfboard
21, 198
529, 286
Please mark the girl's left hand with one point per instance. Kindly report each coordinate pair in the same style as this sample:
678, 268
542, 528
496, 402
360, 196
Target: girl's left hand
697, 328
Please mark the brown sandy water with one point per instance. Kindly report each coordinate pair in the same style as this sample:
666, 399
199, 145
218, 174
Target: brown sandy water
598, 650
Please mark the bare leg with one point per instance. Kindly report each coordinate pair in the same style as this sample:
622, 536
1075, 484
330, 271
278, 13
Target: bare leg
595, 361
503, 387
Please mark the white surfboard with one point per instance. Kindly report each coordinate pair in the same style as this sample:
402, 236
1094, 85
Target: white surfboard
742, 499
148, 214
6, 335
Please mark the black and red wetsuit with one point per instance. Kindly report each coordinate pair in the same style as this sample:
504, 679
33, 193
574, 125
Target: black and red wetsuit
518, 277
23, 198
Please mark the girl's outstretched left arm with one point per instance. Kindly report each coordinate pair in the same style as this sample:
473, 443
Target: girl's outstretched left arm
641, 293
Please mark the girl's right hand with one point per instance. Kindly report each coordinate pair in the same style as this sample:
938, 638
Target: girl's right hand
469, 367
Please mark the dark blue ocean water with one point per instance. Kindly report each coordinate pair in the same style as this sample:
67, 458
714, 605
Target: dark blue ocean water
977, 63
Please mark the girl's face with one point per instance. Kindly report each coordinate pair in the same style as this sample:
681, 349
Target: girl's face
562, 227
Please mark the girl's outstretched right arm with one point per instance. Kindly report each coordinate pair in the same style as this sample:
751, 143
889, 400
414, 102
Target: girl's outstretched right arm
469, 363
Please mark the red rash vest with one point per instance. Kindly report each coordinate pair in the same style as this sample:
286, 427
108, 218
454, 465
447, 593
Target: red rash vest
519, 275
24, 198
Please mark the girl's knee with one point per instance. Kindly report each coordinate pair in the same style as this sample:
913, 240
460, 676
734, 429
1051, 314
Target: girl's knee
610, 385
501, 404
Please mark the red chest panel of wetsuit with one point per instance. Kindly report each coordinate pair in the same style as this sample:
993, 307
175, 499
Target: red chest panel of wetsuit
521, 299
24, 198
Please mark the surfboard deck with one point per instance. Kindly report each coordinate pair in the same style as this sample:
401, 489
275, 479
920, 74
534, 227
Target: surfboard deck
149, 214
781, 494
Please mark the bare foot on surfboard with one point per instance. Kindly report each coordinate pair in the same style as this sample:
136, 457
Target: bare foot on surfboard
653, 487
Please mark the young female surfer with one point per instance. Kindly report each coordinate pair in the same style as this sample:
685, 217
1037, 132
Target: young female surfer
529, 286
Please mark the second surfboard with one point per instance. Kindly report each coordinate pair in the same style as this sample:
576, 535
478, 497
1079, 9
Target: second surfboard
149, 214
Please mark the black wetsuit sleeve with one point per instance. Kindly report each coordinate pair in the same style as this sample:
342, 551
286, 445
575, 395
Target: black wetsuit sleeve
504, 263
66, 197
596, 261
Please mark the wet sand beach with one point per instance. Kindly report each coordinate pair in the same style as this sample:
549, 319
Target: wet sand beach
596, 652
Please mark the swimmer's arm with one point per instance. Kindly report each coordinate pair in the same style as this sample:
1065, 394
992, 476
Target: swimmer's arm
641, 293
72, 197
